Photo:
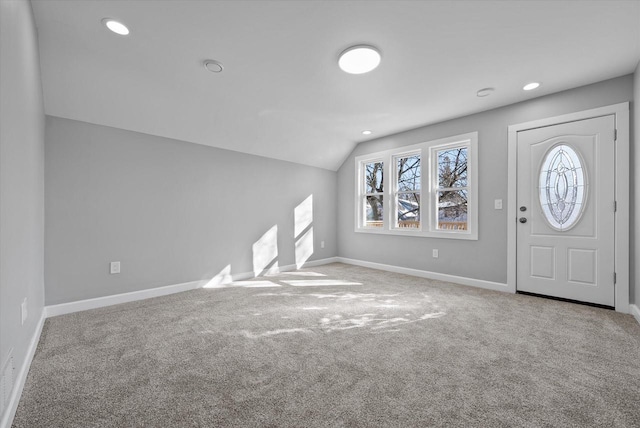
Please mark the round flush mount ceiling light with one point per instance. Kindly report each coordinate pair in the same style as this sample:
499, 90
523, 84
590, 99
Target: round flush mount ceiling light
485, 92
359, 59
115, 26
213, 66
366, 132
531, 86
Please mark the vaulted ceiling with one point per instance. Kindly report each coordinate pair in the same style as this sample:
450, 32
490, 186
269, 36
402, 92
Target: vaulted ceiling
281, 93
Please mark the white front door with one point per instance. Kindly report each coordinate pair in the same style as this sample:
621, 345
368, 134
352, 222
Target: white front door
565, 230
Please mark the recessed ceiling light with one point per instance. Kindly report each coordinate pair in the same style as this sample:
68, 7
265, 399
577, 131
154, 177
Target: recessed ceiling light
485, 92
531, 86
366, 132
115, 26
213, 66
359, 59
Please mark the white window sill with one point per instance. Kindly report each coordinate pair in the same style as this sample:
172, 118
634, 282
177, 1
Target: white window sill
469, 236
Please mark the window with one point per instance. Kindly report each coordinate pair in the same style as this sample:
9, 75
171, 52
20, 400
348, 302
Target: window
451, 195
373, 200
407, 191
562, 187
432, 191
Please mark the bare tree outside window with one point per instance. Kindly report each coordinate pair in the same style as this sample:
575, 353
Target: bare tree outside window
374, 188
408, 191
453, 189
427, 189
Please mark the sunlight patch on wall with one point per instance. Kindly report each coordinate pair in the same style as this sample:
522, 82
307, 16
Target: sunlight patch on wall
303, 231
222, 278
303, 216
265, 253
304, 248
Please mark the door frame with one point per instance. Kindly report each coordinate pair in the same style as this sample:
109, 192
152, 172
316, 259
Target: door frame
622, 162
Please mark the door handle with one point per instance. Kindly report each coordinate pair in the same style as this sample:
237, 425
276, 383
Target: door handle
522, 220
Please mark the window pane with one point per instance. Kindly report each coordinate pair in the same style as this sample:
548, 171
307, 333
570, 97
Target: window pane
409, 210
374, 211
562, 187
452, 210
452, 167
373, 177
408, 173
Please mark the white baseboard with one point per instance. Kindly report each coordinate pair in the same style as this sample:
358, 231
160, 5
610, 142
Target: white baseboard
489, 285
635, 311
21, 377
115, 299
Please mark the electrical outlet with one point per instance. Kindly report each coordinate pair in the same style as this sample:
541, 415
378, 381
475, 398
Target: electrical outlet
114, 268
497, 204
321, 244
435, 254
23, 310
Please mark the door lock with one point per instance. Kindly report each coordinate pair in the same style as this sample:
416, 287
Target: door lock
523, 208
522, 220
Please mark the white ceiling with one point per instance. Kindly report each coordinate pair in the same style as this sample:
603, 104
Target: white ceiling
281, 93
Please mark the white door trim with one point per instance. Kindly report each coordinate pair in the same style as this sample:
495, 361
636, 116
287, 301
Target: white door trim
621, 112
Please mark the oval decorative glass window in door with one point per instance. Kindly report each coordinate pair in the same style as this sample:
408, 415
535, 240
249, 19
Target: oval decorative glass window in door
562, 187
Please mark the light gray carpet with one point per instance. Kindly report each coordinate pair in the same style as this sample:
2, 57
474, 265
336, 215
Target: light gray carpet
392, 350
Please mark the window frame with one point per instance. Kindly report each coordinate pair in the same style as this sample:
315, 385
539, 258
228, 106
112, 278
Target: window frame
428, 188
393, 219
362, 190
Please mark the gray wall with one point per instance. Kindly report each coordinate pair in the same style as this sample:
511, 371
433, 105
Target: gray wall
169, 211
486, 258
21, 179
635, 190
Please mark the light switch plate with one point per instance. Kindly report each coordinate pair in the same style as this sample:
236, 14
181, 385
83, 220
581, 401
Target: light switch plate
497, 204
